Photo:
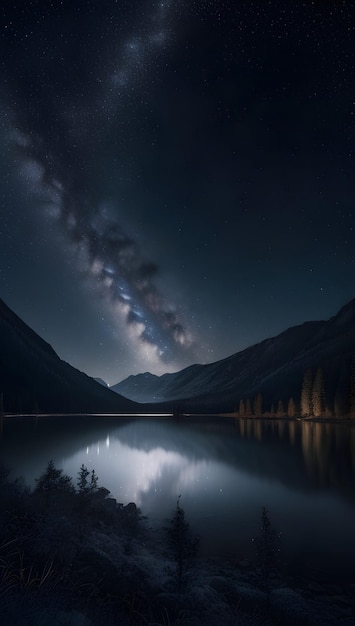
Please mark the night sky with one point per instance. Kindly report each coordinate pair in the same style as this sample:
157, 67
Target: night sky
177, 178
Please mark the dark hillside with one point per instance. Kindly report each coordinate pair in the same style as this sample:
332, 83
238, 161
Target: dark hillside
33, 378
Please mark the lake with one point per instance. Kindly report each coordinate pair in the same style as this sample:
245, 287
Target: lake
225, 470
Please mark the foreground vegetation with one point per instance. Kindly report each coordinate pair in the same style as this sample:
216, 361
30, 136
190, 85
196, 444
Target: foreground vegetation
71, 555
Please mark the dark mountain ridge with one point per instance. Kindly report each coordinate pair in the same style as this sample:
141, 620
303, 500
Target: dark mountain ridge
274, 367
34, 379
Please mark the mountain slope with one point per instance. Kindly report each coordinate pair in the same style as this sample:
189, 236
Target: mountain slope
274, 367
33, 377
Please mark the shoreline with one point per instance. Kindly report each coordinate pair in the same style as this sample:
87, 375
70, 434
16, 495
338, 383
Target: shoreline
183, 416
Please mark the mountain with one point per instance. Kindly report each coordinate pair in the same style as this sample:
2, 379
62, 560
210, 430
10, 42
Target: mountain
274, 367
101, 382
34, 378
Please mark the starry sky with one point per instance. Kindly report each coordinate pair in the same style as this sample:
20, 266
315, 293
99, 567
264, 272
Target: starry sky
177, 177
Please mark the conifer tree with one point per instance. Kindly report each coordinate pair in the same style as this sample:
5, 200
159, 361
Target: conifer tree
318, 394
93, 481
53, 485
341, 395
267, 548
182, 546
85, 486
54, 479
248, 411
258, 404
241, 408
352, 391
306, 394
291, 408
82, 481
280, 409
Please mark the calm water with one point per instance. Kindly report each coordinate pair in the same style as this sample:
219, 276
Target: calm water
225, 470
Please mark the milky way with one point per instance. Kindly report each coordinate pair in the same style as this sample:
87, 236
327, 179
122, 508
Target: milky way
58, 138
180, 182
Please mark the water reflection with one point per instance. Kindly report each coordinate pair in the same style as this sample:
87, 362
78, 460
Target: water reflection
225, 470
328, 451
127, 471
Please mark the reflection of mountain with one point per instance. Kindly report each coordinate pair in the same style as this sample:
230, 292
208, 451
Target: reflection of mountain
275, 367
33, 377
311, 456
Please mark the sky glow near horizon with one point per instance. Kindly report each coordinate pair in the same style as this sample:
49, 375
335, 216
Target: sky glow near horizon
177, 178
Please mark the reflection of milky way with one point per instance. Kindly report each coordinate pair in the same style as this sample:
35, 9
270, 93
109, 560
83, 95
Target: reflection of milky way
59, 160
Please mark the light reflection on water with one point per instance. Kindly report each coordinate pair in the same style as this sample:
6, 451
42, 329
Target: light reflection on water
129, 473
225, 470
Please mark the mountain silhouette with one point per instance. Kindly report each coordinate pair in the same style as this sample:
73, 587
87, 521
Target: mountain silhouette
274, 367
34, 379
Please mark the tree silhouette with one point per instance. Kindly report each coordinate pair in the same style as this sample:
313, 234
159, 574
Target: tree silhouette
258, 404
341, 395
280, 409
85, 486
318, 394
306, 394
54, 486
352, 392
182, 546
82, 481
248, 411
267, 548
53, 479
291, 408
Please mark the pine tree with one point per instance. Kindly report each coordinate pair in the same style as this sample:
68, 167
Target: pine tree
306, 395
318, 394
53, 478
280, 409
352, 392
248, 411
341, 395
182, 546
52, 483
258, 405
241, 408
82, 481
85, 486
267, 548
291, 408
93, 482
